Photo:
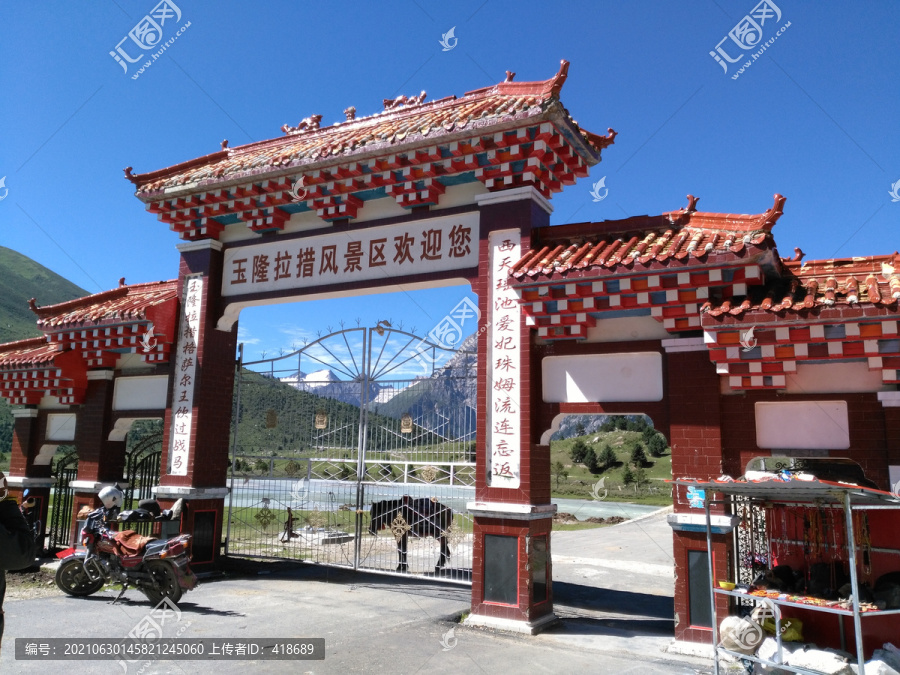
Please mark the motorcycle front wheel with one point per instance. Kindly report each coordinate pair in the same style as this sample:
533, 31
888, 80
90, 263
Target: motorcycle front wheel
72, 579
167, 581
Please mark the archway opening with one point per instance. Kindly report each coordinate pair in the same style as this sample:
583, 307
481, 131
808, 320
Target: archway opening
607, 468
349, 407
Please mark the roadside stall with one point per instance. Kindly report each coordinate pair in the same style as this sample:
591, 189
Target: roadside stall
826, 570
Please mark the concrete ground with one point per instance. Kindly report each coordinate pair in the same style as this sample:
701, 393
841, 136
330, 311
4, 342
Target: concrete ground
613, 593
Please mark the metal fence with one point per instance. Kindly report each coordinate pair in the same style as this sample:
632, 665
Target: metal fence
312, 455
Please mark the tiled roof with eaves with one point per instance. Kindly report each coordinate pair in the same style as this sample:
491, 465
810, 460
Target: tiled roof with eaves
404, 124
805, 287
27, 353
122, 304
643, 242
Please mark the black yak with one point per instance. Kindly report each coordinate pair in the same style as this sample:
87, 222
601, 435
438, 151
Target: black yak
421, 517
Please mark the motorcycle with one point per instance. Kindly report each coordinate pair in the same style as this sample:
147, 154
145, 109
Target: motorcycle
159, 568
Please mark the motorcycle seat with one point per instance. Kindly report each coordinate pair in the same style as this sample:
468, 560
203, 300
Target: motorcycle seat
155, 544
136, 516
130, 543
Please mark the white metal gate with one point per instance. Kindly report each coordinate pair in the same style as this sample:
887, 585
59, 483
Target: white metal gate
359, 422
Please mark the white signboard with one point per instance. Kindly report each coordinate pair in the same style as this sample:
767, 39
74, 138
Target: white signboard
433, 245
504, 414
61, 427
603, 378
802, 425
140, 393
184, 375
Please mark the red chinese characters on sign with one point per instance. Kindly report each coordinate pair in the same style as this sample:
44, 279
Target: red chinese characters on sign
505, 358
353, 256
403, 245
283, 266
460, 241
306, 262
376, 253
329, 260
239, 271
260, 268
185, 373
430, 245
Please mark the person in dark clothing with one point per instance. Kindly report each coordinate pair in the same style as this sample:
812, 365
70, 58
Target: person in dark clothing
16, 541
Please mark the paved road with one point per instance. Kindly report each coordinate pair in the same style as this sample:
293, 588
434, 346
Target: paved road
613, 589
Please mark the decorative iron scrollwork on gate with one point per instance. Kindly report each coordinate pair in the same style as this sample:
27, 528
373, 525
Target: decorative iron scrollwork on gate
65, 471
357, 423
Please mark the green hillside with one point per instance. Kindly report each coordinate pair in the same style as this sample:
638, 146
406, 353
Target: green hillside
21, 279
276, 418
607, 464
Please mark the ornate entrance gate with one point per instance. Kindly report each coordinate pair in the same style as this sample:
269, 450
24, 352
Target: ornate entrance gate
360, 417
65, 471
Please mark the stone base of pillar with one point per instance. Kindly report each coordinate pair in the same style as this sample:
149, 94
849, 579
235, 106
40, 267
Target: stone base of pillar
511, 625
511, 567
95, 486
202, 518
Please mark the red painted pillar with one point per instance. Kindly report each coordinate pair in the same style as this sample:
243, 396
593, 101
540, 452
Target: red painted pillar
101, 462
890, 400
696, 441
511, 575
198, 414
28, 468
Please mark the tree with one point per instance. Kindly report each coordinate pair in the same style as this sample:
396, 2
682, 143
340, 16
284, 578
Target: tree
607, 458
657, 445
579, 429
638, 455
261, 465
579, 451
627, 475
640, 477
621, 423
590, 460
560, 471
648, 433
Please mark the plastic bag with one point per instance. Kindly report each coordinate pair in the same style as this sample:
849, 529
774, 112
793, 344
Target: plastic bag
819, 661
791, 629
740, 635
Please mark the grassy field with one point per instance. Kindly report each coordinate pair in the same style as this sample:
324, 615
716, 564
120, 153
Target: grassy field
580, 482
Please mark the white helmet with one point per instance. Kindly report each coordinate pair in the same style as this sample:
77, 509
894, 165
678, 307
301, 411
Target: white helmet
111, 497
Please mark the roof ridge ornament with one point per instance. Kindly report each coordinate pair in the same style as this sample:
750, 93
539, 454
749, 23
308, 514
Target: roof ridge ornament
558, 80
350, 113
404, 101
771, 216
310, 123
692, 204
798, 255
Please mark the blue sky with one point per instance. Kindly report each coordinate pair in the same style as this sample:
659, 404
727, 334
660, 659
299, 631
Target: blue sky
814, 118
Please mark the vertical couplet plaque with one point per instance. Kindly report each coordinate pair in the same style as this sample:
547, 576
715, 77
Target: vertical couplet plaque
504, 419
184, 376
